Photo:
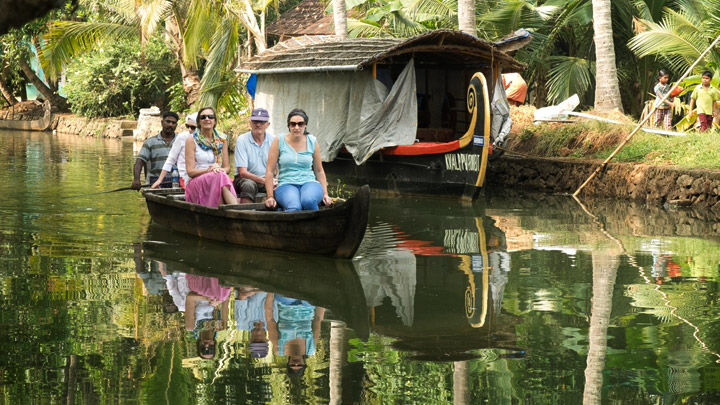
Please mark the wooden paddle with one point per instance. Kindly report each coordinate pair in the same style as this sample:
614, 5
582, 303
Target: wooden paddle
112, 191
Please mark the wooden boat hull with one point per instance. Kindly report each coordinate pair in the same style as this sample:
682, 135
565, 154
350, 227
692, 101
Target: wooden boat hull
336, 231
452, 174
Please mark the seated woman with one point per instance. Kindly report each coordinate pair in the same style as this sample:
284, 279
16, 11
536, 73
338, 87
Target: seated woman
206, 182
301, 179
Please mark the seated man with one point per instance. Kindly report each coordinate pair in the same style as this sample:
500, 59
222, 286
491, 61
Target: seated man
154, 152
251, 155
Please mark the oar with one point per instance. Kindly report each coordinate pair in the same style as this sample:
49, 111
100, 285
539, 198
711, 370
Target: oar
112, 191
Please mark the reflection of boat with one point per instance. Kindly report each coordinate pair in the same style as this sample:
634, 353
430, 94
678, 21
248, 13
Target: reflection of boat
443, 297
336, 231
401, 114
323, 282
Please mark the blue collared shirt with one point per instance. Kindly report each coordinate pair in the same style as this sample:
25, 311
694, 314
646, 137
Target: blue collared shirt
252, 156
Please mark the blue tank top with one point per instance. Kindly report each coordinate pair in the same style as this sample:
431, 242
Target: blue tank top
295, 167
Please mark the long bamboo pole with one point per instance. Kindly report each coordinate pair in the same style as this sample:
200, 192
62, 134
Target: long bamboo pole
647, 117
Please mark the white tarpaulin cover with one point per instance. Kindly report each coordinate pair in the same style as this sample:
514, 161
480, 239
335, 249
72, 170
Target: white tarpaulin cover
345, 108
501, 123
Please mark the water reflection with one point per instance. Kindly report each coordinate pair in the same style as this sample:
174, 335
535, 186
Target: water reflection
517, 300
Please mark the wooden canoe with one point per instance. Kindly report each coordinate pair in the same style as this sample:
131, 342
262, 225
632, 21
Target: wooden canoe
335, 231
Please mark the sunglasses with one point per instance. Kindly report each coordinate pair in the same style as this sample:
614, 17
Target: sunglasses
192, 127
296, 124
258, 122
208, 117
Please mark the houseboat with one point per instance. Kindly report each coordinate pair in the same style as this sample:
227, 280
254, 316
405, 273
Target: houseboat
404, 115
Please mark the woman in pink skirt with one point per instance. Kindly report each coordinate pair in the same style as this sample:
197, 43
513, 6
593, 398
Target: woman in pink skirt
207, 182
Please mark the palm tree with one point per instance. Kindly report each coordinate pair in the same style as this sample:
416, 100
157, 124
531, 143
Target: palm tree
466, 17
383, 18
340, 18
681, 36
607, 88
121, 19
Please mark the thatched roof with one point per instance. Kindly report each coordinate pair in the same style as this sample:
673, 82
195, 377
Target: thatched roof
306, 18
328, 53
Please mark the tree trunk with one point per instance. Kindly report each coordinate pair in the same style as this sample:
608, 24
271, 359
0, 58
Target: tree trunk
56, 101
607, 89
466, 17
6, 92
605, 264
340, 18
248, 20
190, 77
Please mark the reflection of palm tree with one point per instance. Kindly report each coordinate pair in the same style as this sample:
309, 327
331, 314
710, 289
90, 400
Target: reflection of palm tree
461, 383
338, 354
605, 264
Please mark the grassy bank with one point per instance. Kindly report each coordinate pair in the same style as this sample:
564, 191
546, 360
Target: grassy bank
592, 139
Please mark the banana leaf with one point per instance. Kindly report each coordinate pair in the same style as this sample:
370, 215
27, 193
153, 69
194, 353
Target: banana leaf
688, 122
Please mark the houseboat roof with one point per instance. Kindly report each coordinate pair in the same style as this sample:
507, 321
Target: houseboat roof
328, 53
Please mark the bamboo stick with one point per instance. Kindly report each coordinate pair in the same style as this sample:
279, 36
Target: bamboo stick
650, 114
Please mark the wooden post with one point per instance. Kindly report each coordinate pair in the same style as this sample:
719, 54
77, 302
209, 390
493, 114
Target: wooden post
641, 123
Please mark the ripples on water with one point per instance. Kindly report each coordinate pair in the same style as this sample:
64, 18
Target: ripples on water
510, 300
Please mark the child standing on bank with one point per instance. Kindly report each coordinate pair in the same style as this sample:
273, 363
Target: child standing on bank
707, 97
663, 113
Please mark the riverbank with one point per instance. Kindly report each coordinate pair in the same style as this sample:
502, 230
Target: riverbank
653, 168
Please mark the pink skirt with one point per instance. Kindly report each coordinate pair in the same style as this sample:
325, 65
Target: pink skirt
207, 189
208, 286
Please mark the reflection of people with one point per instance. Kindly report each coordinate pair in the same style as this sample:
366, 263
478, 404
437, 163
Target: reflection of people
294, 331
301, 178
206, 182
249, 315
251, 155
177, 288
151, 275
206, 311
176, 156
154, 151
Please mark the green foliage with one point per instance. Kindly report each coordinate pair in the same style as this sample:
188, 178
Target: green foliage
176, 95
111, 81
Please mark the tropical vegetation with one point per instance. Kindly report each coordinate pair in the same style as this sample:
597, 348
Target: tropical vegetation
568, 54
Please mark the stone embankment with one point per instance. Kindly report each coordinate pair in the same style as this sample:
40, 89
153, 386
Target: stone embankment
93, 127
653, 184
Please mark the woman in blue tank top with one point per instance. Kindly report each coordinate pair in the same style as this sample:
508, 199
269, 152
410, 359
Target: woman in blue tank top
301, 178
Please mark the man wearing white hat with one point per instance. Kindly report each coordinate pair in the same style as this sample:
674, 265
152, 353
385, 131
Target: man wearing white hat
176, 156
251, 155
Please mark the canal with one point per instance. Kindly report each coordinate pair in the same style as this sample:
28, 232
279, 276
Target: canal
512, 299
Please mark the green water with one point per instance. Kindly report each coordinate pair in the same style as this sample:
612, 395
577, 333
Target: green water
514, 299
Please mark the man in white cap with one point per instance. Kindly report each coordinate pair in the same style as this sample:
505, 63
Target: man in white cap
176, 156
251, 155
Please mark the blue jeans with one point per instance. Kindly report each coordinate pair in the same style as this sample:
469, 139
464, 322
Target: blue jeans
296, 197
